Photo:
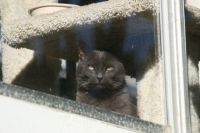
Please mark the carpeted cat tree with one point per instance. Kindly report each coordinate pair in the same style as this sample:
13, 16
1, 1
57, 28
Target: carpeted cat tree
25, 37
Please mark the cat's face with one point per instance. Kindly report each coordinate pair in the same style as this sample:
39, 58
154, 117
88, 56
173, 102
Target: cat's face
99, 74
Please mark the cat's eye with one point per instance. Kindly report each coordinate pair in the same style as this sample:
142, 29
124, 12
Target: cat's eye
109, 68
90, 67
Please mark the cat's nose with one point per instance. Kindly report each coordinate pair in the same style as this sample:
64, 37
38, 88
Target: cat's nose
99, 77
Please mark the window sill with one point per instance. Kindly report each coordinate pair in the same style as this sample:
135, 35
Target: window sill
20, 106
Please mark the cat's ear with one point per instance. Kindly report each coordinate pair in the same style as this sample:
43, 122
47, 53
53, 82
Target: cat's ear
81, 54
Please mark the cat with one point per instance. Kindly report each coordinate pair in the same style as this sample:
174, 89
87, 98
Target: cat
101, 82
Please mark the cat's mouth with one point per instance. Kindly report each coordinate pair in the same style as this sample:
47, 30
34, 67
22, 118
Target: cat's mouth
99, 91
98, 87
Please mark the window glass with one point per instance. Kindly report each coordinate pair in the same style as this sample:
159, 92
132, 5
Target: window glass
193, 51
103, 53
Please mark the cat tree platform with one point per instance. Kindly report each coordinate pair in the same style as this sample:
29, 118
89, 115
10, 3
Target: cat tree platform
19, 29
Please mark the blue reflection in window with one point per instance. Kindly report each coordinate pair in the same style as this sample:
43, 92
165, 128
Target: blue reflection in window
138, 40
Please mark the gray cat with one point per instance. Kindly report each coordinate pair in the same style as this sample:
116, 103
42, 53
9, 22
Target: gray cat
101, 82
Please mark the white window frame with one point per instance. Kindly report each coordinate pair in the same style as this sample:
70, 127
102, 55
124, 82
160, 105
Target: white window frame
173, 40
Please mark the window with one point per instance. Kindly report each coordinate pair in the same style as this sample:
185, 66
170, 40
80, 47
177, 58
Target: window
191, 10
124, 56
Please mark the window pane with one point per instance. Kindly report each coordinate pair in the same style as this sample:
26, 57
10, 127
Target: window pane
193, 51
103, 53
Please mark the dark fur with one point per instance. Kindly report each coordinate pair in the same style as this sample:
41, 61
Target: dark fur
100, 87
